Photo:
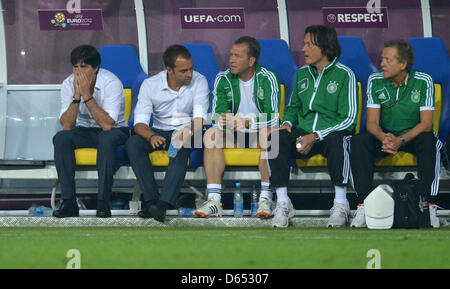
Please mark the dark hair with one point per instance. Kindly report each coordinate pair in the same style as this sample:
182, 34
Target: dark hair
87, 54
253, 47
326, 38
404, 51
172, 52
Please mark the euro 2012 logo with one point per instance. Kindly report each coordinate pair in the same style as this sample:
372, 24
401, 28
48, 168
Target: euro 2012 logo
59, 20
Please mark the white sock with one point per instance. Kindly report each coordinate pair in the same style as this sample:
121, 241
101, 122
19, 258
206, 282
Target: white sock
266, 192
214, 192
340, 194
282, 196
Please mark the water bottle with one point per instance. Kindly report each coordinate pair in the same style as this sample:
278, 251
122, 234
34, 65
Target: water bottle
254, 203
173, 149
238, 202
40, 211
299, 144
186, 212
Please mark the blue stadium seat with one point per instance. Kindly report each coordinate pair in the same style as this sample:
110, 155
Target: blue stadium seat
276, 55
123, 61
431, 57
204, 62
355, 56
135, 88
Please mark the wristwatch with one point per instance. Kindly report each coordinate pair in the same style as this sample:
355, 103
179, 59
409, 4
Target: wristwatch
75, 100
403, 140
316, 136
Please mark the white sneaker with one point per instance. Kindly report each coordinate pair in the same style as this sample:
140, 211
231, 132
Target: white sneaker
338, 215
282, 214
264, 209
359, 220
210, 208
434, 220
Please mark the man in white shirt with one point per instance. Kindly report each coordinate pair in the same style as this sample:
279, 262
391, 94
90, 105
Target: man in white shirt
177, 98
92, 116
246, 103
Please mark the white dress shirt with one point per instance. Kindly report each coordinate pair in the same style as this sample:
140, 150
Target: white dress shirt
171, 109
108, 93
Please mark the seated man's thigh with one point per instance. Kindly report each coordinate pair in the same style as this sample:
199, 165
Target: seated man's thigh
79, 137
215, 137
113, 137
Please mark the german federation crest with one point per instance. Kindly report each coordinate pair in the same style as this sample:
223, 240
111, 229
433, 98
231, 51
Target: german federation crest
332, 87
415, 96
260, 93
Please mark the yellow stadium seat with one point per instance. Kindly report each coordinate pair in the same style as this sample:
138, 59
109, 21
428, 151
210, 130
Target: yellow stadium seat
159, 158
128, 103
402, 159
282, 100
241, 157
88, 156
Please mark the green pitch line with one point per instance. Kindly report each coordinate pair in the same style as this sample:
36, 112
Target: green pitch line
250, 248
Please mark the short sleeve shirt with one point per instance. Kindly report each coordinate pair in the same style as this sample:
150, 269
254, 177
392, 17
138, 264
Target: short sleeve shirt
414, 95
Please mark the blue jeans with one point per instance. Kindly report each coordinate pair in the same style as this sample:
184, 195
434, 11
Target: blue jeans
138, 149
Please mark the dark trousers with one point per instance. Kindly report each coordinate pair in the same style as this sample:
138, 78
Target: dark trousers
365, 148
333, 147
138, 149
66, 141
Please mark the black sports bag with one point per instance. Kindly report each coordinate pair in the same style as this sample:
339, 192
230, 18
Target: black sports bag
411, 204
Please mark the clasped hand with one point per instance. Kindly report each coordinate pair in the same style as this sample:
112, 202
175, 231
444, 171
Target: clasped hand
390, 143
228, 120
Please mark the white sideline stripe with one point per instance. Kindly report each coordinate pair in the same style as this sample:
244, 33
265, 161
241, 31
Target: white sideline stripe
126, 213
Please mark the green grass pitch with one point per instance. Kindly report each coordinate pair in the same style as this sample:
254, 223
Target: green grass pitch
223, 248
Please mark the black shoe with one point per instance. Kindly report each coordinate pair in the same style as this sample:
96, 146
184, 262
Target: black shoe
103, 210
158, 211
145, 213
68, 208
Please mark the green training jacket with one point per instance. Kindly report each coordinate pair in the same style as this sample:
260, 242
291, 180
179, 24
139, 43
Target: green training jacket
323, 102
266, 94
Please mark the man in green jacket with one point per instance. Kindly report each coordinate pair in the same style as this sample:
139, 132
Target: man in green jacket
320, 119
400, 105
246, 102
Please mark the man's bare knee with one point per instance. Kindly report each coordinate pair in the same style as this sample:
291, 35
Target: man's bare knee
213, 138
